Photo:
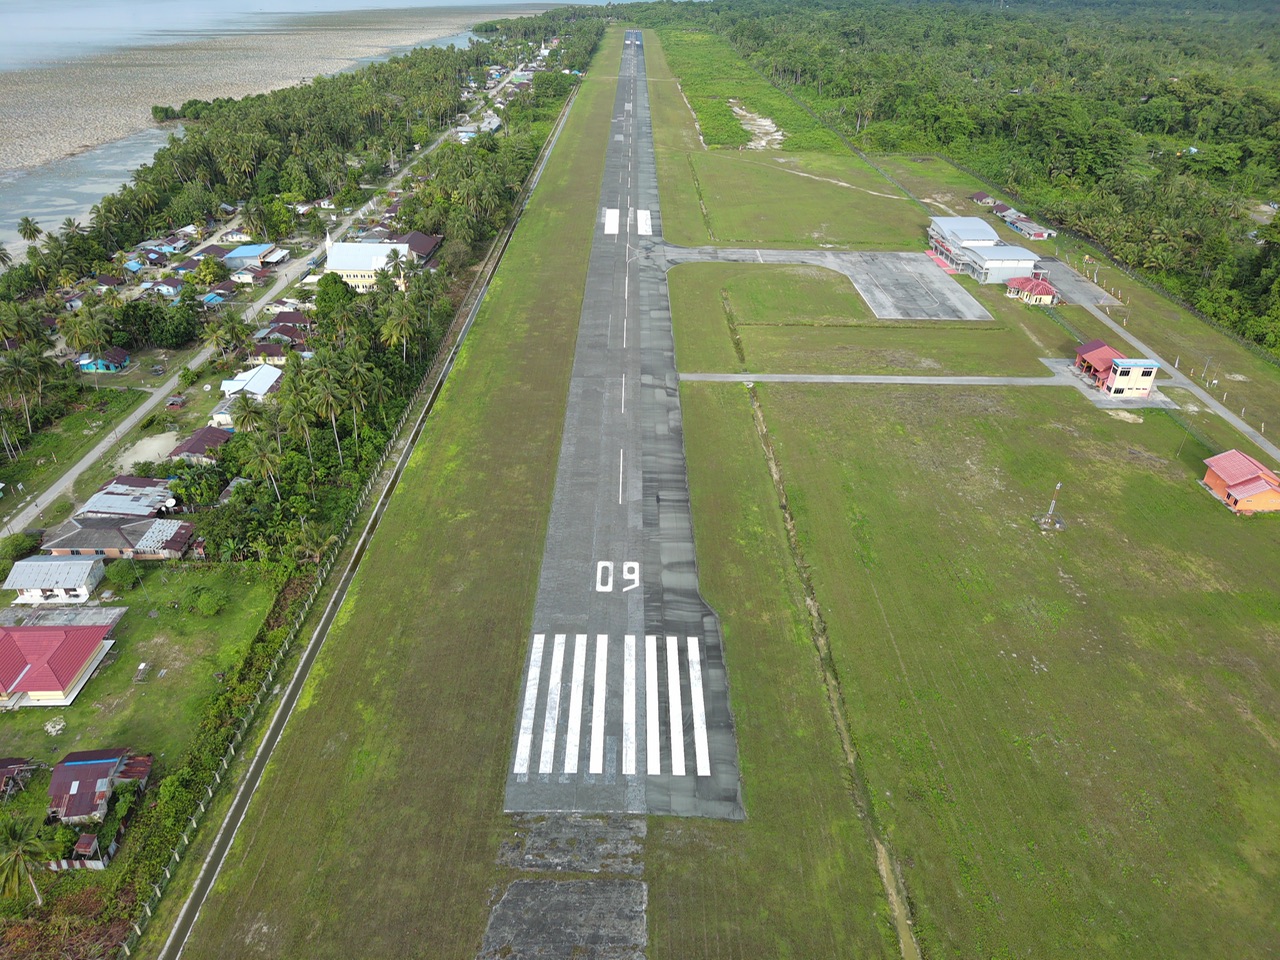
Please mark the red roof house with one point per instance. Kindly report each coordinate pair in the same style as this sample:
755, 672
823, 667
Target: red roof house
83, 782
1242, 483
1032, 290
47, 666
199, 447
1095, 358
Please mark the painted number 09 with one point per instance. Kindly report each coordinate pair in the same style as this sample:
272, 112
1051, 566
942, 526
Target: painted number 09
604, 576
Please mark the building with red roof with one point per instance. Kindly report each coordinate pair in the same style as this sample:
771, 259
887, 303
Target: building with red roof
1034, 290
1114, 373
46, 666
82, 783
1242, 483
201, 446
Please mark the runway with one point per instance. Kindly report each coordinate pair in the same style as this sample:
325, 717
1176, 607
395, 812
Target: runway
624, 705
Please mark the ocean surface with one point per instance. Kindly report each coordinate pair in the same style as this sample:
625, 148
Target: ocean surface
59, 31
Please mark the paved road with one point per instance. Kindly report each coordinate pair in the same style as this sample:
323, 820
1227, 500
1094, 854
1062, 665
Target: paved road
624, 701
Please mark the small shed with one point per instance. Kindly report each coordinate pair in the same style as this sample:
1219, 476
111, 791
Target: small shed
1034, 290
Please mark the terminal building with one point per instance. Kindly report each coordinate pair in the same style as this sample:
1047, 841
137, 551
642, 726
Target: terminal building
971, 246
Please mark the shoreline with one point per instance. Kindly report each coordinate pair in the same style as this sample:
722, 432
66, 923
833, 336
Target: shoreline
47, 116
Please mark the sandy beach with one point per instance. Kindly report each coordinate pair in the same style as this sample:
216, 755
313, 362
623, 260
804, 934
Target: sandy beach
61, 109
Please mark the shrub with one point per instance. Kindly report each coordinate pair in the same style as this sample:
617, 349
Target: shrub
209, 602
122, 574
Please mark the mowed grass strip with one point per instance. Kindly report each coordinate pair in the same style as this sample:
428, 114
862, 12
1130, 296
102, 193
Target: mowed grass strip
802, 319
798, 878
375, 831
1072, 740
795, 198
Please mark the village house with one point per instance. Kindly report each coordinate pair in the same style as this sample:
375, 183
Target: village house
1242, 483
256, 382
249, 255
1113, 372
83, 782
984, 199
48, 579
1033, 290
114, 537
47, 666
111, 360
199, 448
126, 496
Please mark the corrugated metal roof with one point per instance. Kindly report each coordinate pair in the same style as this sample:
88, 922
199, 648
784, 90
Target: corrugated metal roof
1249, 488
127, 497
1235, 466
54, 656
363, 257
966, 230
51, 573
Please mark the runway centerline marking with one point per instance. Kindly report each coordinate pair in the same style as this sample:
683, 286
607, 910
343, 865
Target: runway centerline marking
620, 475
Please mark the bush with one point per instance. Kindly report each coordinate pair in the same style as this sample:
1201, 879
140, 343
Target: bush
122, 574
13, 548
209, 603
187, 378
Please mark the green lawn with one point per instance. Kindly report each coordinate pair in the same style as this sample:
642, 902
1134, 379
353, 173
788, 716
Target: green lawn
799, 319
159, 715
1069, 739
394, 763
48, 454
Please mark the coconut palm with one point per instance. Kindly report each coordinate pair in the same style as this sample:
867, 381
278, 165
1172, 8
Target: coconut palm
246, 413
312, 541
21, 849
327, 399
397, 328
6, 258
17, 373
29, 230
264, 459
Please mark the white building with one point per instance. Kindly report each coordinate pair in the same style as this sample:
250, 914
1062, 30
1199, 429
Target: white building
257, 382
359, 263
972, 246
54, 579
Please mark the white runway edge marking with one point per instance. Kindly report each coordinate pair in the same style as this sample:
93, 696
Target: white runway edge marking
644, 223
573, 736
611, 220
525, 741
702, 755
552, 719
653, 749
597, 704
629, 706
677, 712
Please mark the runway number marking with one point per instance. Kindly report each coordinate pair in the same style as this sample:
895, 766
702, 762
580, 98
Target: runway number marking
604, 576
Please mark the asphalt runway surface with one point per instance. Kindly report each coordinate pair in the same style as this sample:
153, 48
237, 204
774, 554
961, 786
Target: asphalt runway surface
1072, 287
896, 286
624, 702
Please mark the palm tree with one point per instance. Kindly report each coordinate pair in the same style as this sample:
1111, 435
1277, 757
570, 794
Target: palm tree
29, 230
21, 848
264, 459
246, 413
327, 398
311, 543
397, 328
6, 258
17, 372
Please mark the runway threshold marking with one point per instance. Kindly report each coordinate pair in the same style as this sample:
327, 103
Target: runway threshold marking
702, 755
525, 742
653, 741
629, 706
597, 705
676, 710
573, 736
548, 758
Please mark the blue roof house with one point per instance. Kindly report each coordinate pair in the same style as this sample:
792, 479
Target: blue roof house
111, 360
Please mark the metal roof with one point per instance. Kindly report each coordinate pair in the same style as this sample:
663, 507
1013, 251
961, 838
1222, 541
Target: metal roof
966, 230
127, 497
51, 573
363, 257
1003, 253
1235, 467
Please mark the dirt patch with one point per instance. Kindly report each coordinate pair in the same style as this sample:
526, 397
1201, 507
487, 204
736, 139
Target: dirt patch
579, 918
765, 134
148, 448
577, 843
940, 203
1124, 415
1237, 377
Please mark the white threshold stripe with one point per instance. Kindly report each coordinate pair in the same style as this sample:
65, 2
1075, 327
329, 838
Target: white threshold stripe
611, 218
644, 223
629, 706
524, 742
552, 718
702, 756
597, 704
653, 752
676, 711
573, 735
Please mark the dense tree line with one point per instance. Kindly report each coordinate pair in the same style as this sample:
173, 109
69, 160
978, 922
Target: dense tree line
1149, 127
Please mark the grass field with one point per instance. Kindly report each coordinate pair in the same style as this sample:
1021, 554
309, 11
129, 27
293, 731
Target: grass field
395, 760
798, 878
798, 319
1068, 738
818, 195
158, 716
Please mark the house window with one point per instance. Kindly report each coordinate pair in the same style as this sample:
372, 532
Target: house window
1149, 372
1121, 372
1117, 391
75, 553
